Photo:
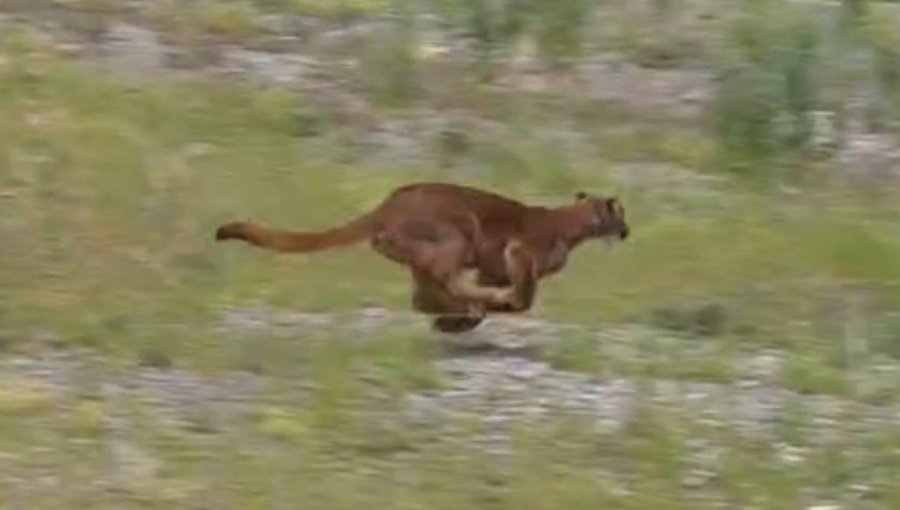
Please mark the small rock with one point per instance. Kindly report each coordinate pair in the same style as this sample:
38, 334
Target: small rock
761, 367
267, 67
862, 491
790, 455
870, 154
134, 466
131, 48
527, 370
698, 478
824, 132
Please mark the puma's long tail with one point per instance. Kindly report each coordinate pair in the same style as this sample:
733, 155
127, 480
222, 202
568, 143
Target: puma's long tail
297, 242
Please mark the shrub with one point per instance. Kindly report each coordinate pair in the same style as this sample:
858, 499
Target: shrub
230, 21
338, 10
559, 28
765, 96
395, 75
884, 45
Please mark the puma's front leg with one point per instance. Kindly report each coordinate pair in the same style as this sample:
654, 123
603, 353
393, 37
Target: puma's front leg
520, 267
463, 286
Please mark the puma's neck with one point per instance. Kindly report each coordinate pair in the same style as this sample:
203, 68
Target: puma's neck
569, 224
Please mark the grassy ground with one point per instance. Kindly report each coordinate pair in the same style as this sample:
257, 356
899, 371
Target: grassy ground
346, 440
111, 190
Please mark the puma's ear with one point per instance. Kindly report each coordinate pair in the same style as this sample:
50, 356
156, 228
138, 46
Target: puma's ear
581, 195
612, 205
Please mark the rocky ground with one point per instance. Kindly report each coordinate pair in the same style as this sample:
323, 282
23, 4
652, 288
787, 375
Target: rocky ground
484, 397
493, 391
322, 60
499, 374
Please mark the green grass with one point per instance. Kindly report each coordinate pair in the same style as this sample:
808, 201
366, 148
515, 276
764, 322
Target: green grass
337, 10
286, 455
806, 375
114, 190
24, 398
111, 192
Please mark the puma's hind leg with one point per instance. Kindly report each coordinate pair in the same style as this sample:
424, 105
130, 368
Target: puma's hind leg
438, 251
454, 315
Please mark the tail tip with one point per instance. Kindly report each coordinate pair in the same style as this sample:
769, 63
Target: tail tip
229, 231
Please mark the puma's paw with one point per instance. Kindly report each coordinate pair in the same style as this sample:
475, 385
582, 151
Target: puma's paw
506, 296
455, 323
510, 301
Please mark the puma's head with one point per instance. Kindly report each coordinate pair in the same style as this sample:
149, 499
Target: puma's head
608, 219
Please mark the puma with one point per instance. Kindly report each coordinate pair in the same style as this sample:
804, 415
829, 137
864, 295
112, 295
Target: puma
469, 251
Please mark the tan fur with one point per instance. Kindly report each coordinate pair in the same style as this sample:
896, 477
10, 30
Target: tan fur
446, 233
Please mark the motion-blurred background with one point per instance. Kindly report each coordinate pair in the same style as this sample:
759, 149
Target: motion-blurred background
741, 350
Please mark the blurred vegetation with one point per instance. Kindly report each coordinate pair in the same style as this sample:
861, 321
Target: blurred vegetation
107, 183
110, 190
